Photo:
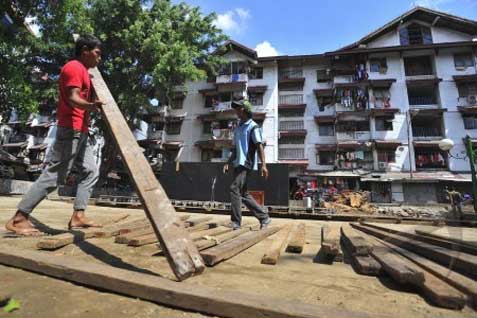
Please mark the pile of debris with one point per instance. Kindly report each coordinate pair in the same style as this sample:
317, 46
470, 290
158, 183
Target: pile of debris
351, 202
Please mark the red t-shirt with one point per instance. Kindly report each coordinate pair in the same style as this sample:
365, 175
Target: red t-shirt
74, 74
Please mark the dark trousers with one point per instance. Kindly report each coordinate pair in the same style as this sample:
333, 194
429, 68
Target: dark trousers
239, 194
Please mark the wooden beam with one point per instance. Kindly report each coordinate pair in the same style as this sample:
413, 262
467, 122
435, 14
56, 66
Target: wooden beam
460, 282
428, 236
207, 300
330, 242
432, 288
231, 248
278, 245
125, 238
152, 238
54, 242
396, 267
297, 239
195, 221
455, 260
355, 242
366, 265
210, 232
182, 254
461, 238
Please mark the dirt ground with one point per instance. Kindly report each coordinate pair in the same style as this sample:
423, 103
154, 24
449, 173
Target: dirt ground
302, 277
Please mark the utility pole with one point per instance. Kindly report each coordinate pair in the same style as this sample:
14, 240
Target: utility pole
471, 155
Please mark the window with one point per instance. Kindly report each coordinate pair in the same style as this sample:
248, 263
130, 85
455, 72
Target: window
256, 99
323, 76
256, 73
210, 101
174, 128
418, 65
207, 127
362, 126
463, 60
382, 98
291, 113
415, 34
378, 65
386, 156
466, 89
324, 101
383, 124
430, 159
294, 140
325, 158
326, 129
351, 126
470, 122
422, 95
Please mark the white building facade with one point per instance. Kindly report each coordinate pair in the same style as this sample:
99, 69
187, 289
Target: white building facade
369, 115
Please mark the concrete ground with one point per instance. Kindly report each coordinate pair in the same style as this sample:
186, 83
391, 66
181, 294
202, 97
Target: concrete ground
302, 277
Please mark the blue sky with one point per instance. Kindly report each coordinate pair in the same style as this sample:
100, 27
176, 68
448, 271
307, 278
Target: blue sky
313, 26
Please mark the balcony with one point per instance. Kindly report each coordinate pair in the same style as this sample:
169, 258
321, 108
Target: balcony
291, 125
467, 105
157, 135
231, 78
291, 153
418, 66
426, 133
222, 134
290, 78
222, 106
353, 135
291, 102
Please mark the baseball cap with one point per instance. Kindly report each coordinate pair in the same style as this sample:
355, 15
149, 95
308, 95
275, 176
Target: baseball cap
242, 103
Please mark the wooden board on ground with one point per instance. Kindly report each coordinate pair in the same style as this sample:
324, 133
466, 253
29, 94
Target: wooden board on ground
231, 248
330, 242
207, 300
465, 236
278, 245
355, 242
460, 282
54, 242
152, 238
366, 265
297, 239
410, 232
182, 254
463, 263
195, 221
432, 288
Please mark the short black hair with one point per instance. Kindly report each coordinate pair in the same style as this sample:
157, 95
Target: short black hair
88, 40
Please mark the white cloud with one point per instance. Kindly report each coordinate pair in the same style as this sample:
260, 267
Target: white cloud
432, 4
266, 49
233, 21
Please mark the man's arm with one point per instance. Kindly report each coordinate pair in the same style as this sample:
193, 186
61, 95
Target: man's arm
232, 157
75, 100
261, 154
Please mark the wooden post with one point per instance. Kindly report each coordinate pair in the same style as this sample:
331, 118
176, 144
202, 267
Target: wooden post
182, 254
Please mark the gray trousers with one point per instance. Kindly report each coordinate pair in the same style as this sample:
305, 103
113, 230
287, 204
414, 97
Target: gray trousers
70, 149
239, 193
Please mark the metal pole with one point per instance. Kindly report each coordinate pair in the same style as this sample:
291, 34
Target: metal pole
408, 119
471, 155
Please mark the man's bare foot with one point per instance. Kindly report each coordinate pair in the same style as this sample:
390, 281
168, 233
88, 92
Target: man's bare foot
80, 221
21, 225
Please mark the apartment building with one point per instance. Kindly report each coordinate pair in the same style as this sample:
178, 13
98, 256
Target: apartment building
369, 115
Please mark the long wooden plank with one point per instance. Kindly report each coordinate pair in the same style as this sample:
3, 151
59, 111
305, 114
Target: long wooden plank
297, 239
330, 242
114, 229
460, 282
152, 238
460, 236
54, 242
432, 288
207, 300
396, 267
366, 265
231, 248
125, 238
463, 263
278, 245
356, 243
195, 221
181, 253
210, 232
409, 231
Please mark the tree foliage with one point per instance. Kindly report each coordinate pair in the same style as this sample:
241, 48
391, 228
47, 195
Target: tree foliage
149, 47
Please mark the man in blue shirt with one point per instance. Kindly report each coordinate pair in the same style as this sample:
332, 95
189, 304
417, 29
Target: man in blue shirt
247, 140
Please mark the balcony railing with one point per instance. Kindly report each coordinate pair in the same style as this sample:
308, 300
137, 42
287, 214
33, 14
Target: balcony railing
353, 135
422, 100
292, 125
291, 74
232, 78
222, 134
222, 106
284, 154
424, 132
158, 135
467, 101
294, 99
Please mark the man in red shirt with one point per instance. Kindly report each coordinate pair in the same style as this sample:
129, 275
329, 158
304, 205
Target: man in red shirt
72, 147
